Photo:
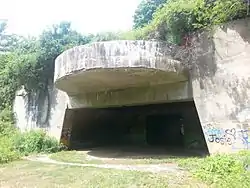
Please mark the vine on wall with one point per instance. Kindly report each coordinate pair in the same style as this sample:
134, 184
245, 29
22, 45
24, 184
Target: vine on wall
29, 62
178, 18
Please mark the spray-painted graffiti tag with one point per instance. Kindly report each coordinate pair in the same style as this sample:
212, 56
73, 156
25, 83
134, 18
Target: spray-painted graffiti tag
234, 137
222, 136
65, 137
244, 135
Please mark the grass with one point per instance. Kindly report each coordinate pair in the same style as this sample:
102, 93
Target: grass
222, 171
228, 170
83, 158
34, 174
74, 157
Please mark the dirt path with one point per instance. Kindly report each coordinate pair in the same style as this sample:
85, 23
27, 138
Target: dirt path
168, 168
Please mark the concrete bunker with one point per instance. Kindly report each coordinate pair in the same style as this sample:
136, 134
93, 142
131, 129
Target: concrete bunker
213, 73
127, 93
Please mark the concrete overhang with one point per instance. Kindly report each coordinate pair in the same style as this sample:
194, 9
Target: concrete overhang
116, 65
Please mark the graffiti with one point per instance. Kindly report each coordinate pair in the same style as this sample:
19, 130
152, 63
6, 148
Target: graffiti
222, 136
244, 135
231, 132
234, 137
65, 138
222, 140
219, 135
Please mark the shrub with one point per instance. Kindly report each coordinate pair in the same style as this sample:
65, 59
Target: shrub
7, 152
6, 125
219, 166
36, 141
14, 144
225, 170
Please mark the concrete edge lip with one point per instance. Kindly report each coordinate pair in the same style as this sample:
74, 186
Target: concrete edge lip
126, 77
112, 69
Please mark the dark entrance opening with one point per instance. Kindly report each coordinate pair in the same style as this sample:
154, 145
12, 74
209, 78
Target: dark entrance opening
164, 130
169, 125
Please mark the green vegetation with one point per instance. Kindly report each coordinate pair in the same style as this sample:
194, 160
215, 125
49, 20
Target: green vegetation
144, 12
227, 170
82, 157
179, 18
29, 62
74, 157
7, 152
49, 175
14, 144
27, 174
35, 142
7, 130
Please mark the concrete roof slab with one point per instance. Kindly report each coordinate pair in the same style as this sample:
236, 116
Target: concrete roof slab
117, 64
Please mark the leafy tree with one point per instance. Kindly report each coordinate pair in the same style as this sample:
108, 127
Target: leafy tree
178, 18
30, 61
6, 41
53, 42
105, 36
145, 10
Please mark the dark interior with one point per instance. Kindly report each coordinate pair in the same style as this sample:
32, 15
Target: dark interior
161, 128
157, 125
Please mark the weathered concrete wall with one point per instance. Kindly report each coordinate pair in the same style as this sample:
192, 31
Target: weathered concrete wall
24, 114
59, 103
221, 86
180, 91
41, 110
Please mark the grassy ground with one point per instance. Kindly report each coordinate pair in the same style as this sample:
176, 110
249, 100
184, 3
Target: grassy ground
222, 171
83, 157
34, 174
74, 157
